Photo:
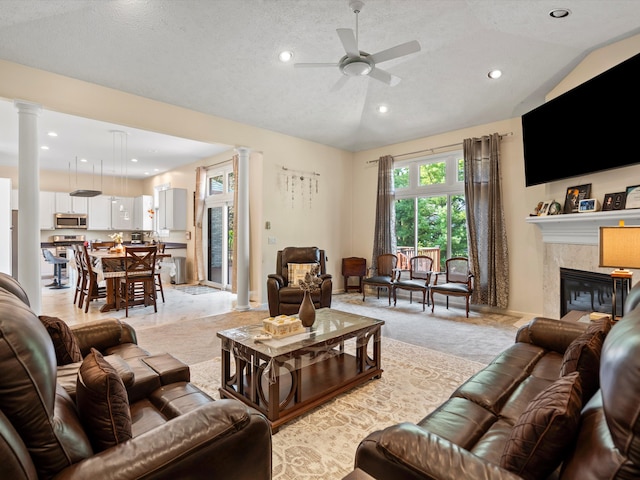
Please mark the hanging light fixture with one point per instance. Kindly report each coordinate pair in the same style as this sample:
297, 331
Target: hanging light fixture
85, 192
120, 152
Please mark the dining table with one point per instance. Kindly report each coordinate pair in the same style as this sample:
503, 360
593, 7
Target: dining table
109, 267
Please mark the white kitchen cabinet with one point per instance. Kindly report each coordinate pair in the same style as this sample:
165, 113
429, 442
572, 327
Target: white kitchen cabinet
99, 213
65, 203
47, 209
122, 213
142, 219
172, 210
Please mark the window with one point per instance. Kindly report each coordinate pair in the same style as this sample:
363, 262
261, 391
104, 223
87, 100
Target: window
431, 208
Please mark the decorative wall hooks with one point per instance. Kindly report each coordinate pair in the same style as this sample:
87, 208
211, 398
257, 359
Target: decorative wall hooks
299, 186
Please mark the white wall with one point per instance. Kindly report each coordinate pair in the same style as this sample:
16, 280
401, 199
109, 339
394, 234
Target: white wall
5, 225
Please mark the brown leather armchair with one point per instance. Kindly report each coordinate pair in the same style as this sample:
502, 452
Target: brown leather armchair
178, 431
285, 299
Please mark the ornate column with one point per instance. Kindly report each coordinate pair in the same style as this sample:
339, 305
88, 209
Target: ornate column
29, 201
242, 235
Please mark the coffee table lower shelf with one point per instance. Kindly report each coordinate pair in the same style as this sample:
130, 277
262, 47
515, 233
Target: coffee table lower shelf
298, 389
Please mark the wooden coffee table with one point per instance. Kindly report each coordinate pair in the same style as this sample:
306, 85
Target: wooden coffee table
341, 350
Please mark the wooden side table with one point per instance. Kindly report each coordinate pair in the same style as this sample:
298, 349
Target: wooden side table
354, 267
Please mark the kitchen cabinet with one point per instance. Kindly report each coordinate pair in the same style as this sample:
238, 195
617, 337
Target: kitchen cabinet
99, 213
142, 219
172, 209
47, 209
122, 213
65, 203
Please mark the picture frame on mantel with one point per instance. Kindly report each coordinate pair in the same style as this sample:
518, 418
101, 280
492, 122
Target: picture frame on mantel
633, 197
614, 201
574, 195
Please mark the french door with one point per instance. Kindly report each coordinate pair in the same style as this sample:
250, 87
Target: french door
219, 245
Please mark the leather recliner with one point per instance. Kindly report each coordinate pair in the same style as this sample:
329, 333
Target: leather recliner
178, 430
285, 299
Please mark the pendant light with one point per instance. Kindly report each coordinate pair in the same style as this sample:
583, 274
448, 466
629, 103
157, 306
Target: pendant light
85, 192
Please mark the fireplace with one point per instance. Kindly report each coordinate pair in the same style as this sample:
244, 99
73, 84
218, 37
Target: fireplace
590, 292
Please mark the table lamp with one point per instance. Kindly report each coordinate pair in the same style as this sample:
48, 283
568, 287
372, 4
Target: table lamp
620, 249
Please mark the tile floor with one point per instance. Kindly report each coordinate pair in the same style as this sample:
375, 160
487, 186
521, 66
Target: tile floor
178, 306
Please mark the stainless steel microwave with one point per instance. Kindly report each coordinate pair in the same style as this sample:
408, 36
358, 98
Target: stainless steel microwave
70, 220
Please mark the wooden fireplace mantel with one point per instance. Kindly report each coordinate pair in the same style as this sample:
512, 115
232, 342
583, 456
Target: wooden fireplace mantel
581, 228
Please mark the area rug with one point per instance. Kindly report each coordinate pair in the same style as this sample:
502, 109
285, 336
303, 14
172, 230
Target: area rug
196, 289
321, 444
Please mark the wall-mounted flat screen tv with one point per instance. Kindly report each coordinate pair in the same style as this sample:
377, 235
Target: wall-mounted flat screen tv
591, 128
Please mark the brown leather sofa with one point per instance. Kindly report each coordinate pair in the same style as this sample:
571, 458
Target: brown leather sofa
498, 413
285, 299
48, 421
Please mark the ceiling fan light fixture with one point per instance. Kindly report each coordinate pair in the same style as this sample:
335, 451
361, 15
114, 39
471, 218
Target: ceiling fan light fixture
356, 68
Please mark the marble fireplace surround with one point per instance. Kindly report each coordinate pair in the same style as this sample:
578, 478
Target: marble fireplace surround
571, 241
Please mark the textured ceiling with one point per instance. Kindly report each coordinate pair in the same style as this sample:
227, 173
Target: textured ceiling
221, 57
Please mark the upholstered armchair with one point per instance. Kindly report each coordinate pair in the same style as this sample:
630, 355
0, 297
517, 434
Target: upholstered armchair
285, 296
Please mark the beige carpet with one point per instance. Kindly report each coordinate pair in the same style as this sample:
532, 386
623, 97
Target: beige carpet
425, 357
322, 443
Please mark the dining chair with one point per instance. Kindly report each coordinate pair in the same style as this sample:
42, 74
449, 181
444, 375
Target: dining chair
80, 276
138, 286
458, 281
385, 275
91, 289
161, 247
420, 270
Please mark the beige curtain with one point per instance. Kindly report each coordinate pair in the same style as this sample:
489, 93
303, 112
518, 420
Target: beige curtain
234, 248
385, 230
488, 254
201, 191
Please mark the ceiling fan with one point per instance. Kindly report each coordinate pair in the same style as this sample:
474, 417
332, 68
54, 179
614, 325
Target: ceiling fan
358, 63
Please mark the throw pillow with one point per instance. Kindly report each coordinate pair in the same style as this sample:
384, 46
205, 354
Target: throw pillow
583, 356
64, 341
297, 271
102, 402
545, 430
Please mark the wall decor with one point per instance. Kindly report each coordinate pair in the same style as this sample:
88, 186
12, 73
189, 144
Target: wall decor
574, 195
633, 197
298, 186
614, 201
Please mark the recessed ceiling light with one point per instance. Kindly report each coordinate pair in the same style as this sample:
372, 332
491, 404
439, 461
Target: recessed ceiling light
559, 13
84, 160
285, 56
44, 147
156, 169
134, 160
383, 109
52, 134
146, 173
495, 74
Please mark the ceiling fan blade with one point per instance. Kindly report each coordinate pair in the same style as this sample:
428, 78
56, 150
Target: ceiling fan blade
384, 77
348, 39
314, 65
340, 83
395, 52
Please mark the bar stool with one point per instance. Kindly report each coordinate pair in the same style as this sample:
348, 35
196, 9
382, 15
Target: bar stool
57, 263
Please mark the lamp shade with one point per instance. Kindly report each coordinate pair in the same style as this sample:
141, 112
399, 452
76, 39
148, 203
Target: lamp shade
620, 247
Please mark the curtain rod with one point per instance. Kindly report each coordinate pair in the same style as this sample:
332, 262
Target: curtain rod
300, 171
433, 148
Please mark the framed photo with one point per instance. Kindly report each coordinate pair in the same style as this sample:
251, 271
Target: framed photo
589, 205
544, 210
574, 195
614, 201
633, 197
